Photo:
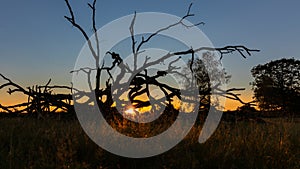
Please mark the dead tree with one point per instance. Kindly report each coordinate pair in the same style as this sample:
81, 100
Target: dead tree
139, 83
41, 100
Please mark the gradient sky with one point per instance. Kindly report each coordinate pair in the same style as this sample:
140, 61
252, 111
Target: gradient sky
37, 43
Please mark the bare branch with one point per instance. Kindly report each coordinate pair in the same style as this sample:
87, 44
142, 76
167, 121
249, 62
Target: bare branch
10, 83
74, 23
180, 22
40, 98
93, 7
230, 95
131, 29
222, 51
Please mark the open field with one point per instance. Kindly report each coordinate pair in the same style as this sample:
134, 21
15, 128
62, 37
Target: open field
50, 143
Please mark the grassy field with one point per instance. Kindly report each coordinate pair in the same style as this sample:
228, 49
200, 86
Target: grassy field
32, 143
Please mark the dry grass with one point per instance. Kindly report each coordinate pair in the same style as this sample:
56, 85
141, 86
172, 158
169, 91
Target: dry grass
31, 143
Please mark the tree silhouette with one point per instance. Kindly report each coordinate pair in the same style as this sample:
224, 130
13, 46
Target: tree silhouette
277, 85
141, 80
41, 99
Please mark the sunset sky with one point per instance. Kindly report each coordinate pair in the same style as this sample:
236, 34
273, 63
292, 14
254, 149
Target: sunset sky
37, 43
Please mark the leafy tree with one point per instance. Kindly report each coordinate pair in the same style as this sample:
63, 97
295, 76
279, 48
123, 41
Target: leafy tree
277, 85
205, 82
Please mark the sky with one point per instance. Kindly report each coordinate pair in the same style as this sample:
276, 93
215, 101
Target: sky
37, 43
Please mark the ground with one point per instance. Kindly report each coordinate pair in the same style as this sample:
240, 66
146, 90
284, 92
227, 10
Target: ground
53, 143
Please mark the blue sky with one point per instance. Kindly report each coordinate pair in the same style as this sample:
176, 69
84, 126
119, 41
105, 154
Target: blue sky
37, 43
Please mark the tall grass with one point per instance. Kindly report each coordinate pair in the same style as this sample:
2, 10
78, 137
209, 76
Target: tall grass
50, 143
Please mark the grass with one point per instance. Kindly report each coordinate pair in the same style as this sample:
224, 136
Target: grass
50, 143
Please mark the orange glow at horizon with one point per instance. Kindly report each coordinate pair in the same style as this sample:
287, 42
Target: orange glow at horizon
246, 96
7, 99
18, 98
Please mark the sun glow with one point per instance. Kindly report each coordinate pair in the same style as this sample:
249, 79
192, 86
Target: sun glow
130, 111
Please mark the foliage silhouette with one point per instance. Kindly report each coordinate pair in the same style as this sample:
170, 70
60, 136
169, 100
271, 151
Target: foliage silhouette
276, 85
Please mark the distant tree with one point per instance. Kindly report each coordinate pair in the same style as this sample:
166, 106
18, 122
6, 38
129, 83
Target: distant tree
205, 82
276, 85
